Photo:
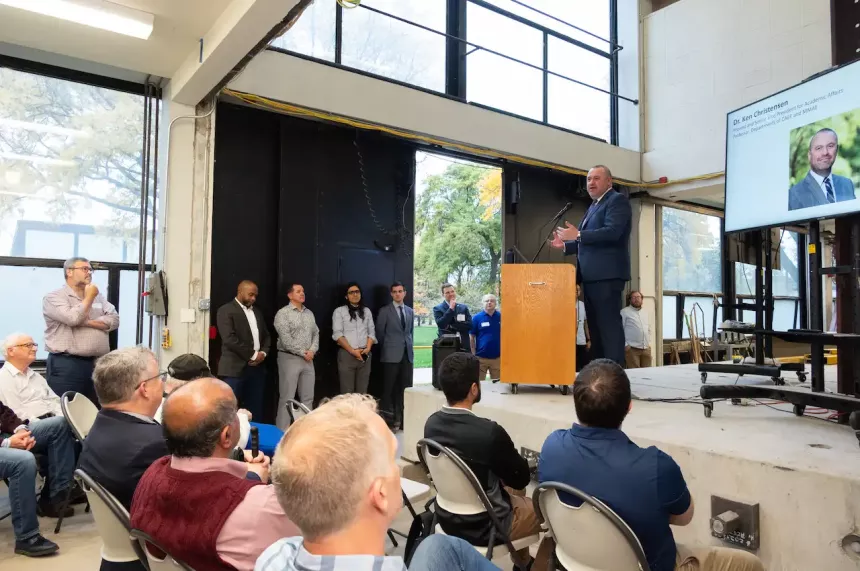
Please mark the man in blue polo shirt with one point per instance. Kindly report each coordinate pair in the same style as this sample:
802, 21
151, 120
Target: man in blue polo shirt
485, 338
644, 486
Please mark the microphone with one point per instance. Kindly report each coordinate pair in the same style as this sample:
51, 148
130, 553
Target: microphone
555, 220
255, 441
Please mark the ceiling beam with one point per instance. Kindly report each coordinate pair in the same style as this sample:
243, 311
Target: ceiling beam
245, 27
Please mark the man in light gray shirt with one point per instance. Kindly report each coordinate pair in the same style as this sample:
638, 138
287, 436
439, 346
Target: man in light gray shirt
77, 322
637, 333
298, 342
353, 331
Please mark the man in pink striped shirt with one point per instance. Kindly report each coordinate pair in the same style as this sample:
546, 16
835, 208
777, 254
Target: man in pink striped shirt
77, 321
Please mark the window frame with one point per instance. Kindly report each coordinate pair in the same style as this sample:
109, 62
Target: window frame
456, 58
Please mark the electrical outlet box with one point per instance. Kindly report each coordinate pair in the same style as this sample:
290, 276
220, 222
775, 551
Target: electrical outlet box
533, 458
735, 522
204, 304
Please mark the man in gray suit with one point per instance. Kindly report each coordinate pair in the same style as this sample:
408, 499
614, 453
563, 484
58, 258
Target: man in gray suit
820, 186
394, 326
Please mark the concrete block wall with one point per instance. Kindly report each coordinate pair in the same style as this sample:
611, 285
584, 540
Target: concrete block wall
703, 58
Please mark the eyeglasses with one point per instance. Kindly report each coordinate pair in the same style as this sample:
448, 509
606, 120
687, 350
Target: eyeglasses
162, 376
28, 345
354, 292
86, 269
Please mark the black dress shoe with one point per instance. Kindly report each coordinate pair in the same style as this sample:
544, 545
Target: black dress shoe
36, 546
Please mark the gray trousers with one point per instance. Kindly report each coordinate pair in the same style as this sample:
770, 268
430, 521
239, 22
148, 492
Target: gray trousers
354, 375
293, 373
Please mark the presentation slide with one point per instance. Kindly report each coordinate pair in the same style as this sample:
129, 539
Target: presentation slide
795, 156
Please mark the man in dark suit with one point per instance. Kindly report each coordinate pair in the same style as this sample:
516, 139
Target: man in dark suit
394, 327
602, 245
820, 186
244, 345
453, 317
125, 439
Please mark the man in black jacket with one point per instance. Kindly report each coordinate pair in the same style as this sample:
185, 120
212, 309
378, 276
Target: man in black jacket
125, 440
244, 345
453, 317
488, 450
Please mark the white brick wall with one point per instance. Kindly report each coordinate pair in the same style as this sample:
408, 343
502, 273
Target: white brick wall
704, 58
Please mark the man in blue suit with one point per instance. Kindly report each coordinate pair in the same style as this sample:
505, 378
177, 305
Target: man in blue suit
602, 246
453, 317
820, 186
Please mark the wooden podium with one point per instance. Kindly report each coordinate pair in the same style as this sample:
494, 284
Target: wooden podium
539, 332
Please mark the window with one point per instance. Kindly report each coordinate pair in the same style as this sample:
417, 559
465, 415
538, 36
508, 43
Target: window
786, 280
670, 308
589, 15
70, 178
391, 48
314, 32
372, 37
69, 168
498, 82
691, 251
573, 106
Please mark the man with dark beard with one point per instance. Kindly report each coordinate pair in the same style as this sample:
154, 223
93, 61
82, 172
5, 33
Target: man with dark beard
488, 450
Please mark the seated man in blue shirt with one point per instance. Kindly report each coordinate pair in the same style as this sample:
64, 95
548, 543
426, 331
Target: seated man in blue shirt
644, 486
486, 338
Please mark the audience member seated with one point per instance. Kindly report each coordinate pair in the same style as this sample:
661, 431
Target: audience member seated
189, 367
197, 503
125, 439
489, 451
22, 389
644, 486
336, 476
19, 440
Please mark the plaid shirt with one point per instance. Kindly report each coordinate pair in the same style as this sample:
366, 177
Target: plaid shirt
65, 329
289, 554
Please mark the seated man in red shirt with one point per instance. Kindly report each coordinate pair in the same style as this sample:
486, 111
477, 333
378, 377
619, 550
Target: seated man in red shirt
197, 503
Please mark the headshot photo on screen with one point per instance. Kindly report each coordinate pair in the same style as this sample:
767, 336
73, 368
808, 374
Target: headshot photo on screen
824, 161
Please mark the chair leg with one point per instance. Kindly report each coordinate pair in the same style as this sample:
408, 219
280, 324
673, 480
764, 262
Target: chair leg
391, 537
63, 509
87, 509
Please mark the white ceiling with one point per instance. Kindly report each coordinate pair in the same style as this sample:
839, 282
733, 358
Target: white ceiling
179, 25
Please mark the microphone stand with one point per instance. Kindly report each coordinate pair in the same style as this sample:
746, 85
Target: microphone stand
555, 220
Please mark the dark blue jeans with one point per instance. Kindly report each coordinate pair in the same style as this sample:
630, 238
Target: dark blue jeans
445, 553
69, 373
249, 390
53, 439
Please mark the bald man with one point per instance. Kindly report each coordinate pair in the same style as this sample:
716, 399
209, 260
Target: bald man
244, 345
198, 502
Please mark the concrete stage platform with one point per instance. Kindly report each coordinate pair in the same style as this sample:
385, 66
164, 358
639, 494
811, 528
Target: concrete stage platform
804, 472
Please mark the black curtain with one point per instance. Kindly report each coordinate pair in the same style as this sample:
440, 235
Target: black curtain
290, 205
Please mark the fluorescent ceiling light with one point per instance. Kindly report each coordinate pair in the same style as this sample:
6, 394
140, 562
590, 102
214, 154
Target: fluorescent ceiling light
95, 13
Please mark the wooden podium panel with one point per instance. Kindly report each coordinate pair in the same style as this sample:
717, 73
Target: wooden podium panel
539, 329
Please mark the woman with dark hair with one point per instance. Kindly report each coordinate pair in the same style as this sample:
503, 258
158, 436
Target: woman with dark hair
353, 330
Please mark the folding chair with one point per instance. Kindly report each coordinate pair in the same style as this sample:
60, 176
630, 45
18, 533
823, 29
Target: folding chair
296, 410
458, 491
590, 537
112, 523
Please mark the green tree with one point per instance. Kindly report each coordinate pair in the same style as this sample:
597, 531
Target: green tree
458, 228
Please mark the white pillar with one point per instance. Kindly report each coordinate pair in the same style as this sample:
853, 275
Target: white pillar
645, 268
185, 223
